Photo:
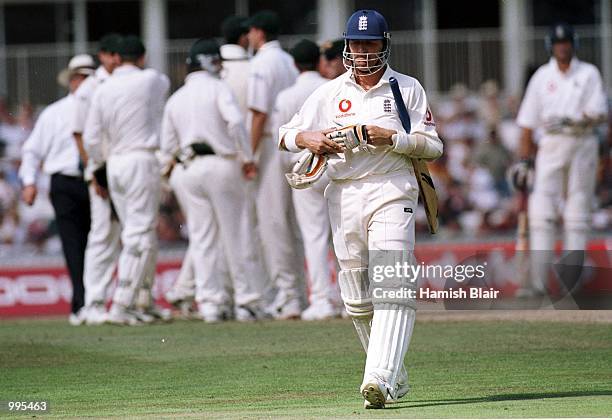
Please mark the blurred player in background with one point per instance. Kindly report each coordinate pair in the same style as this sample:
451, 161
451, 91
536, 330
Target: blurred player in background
236, 58
372, 195
203, 124
124, 119
51, 143
563, 103
271, 71
331, 65
309, 204
103, 241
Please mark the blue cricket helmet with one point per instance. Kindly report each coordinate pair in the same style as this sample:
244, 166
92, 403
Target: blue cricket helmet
366, 25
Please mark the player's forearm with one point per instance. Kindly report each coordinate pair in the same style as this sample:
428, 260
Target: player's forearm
257, 128
527, 147
237, 131
78, 137
417, 145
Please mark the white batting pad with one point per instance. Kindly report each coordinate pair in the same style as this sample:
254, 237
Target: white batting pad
392, 327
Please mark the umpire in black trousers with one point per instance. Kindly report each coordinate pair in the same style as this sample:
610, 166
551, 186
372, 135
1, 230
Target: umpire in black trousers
52, 144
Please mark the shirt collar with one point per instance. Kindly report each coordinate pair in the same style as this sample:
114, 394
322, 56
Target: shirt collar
126, 69
388, 73
270, 44
309, 75
572, 67
102, 73
233, 52
199, 74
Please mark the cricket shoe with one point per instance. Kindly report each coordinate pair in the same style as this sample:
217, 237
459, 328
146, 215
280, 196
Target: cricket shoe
186, 310
211, 313
375, 393
78, 318
158, 313
174, 296
119, 315
402, 386
250, 312
319, 311
285, 306
96, 315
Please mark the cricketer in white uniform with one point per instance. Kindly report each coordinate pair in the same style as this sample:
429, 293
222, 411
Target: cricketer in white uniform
310, 205
271, 71
373, 193
202, 121
103, 244
236, 58
124, 117
564, 102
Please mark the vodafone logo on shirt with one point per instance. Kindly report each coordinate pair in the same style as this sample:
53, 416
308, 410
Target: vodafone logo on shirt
344, 105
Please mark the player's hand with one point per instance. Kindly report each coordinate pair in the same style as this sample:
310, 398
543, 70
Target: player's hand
100, 190
249, 170
317, 142
28, 194
378, 136
166, 170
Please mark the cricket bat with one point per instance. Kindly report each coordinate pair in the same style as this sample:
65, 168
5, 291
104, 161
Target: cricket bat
427, 190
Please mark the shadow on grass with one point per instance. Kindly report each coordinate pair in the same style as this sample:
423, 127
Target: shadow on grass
497, 398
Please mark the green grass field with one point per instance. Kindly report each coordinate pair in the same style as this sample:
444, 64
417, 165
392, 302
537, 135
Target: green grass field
298, 369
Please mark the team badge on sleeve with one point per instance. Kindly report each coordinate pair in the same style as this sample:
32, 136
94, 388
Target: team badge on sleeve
429, 118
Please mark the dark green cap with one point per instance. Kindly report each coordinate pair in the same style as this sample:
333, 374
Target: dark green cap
267, 20
233, 27
203, 47
131, 46
305, 52
110, 43
333, 49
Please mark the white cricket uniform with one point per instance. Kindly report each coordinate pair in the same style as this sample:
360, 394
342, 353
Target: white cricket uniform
103, 244
124, 117
372, 199
566, 163
310, 205
236, 72
271, 71
204, 110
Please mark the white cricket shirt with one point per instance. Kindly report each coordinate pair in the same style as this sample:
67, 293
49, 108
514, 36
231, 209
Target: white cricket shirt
290, 100
204, 110
83, 96
126, 112
341, 102
271, 71
236, 72
553, 95
52, 143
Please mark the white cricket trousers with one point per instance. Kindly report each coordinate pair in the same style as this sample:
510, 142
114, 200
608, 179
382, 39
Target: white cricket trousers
565, 167
134, 184
102, 250
185, 282
369, 216
276, 221
220, 235
313, 220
